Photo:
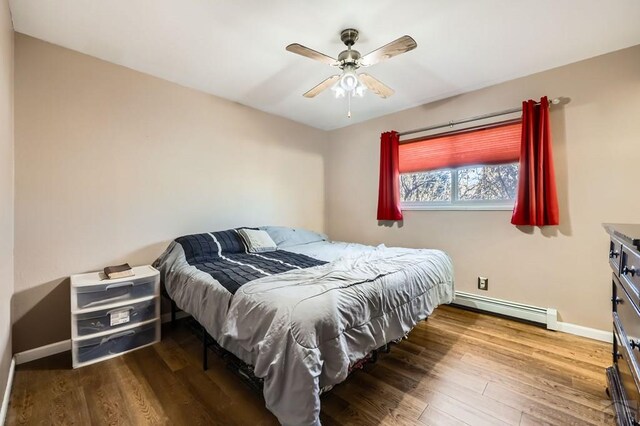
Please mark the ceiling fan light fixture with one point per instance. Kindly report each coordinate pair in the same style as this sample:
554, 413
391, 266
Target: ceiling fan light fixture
349, 80
349, 84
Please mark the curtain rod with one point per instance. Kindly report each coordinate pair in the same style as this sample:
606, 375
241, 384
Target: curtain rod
554, 101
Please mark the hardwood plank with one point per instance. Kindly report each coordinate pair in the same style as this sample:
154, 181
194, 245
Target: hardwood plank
425, 390
430, 390
507, 368
529, 420
383, 401
207, 393
530, 382
178, 403
172, 354
505, 351
342, 412
245, 401
434, 417
524, 333
552, 413
143, 406
407, 363
559, 403
61, 401
21, 402
70, 408
106, 406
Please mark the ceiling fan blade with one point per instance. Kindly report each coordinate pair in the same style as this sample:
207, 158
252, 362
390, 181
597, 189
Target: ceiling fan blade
376, 86
322, 86
396, 47
312, 54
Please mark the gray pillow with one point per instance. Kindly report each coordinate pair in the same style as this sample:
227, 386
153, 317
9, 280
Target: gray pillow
257, 240
287, 237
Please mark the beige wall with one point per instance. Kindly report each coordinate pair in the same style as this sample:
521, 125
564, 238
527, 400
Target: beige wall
6, 188
112, 164
597, 154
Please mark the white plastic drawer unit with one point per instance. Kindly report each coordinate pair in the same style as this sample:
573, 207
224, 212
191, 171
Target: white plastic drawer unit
110, 319
88, 351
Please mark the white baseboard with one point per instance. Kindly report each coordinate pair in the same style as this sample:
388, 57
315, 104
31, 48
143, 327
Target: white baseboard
65, 345
7, 392
590, 333
42, 351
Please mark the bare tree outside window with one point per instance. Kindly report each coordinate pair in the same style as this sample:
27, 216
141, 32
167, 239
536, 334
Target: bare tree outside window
426, 186
490, 183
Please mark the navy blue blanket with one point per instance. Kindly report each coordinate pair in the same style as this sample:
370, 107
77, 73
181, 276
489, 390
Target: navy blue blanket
224, 256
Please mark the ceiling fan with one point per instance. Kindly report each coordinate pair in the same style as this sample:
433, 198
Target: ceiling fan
350, 83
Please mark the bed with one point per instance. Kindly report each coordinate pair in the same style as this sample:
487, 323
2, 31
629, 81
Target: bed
304, 314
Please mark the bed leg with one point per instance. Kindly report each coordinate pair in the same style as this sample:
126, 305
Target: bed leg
205, 365
174, 308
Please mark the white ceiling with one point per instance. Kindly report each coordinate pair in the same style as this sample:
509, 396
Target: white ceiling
235, 49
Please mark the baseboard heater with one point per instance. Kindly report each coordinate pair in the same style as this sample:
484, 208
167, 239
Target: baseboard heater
543, 316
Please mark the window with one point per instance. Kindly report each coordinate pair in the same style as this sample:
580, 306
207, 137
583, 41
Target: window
470, 169
489, 187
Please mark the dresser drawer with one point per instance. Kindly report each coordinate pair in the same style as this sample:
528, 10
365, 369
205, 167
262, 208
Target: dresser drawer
630, 270
627, 373
628, 312
615, 250
92, 296
98, 348
626, 325
114, 318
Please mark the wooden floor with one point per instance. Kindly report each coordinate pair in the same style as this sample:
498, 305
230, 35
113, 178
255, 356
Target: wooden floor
457, 368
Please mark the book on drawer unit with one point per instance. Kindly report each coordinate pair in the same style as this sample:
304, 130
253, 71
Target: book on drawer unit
118, 271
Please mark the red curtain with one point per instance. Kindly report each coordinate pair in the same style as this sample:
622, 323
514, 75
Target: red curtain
389, 189
537, 202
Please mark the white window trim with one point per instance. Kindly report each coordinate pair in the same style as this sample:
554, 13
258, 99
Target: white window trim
455, 204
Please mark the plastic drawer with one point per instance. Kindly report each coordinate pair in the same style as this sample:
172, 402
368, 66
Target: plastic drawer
116, 343
108, 293
100, 321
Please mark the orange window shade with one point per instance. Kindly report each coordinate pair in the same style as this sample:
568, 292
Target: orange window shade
489, 145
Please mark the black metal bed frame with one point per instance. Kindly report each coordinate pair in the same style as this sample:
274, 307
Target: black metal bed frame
233, 363
245, 371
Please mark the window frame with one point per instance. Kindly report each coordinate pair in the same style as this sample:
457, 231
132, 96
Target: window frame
457, 204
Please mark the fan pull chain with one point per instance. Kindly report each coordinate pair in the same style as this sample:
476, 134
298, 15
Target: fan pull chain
349, 104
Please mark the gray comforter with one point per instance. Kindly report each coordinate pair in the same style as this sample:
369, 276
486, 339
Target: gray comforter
303, 329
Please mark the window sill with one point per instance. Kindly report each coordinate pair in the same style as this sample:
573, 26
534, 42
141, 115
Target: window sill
461, 207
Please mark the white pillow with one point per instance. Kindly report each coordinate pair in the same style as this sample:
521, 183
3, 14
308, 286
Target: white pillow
257, 241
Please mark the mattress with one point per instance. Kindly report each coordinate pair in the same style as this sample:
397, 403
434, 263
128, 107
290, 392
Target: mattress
302, 329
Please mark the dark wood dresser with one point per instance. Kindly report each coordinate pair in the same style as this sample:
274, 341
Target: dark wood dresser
623, 376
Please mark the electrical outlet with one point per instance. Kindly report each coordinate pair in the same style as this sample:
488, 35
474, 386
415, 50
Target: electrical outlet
483, 283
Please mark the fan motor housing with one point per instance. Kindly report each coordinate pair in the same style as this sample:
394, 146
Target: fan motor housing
349, 56
349, 36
